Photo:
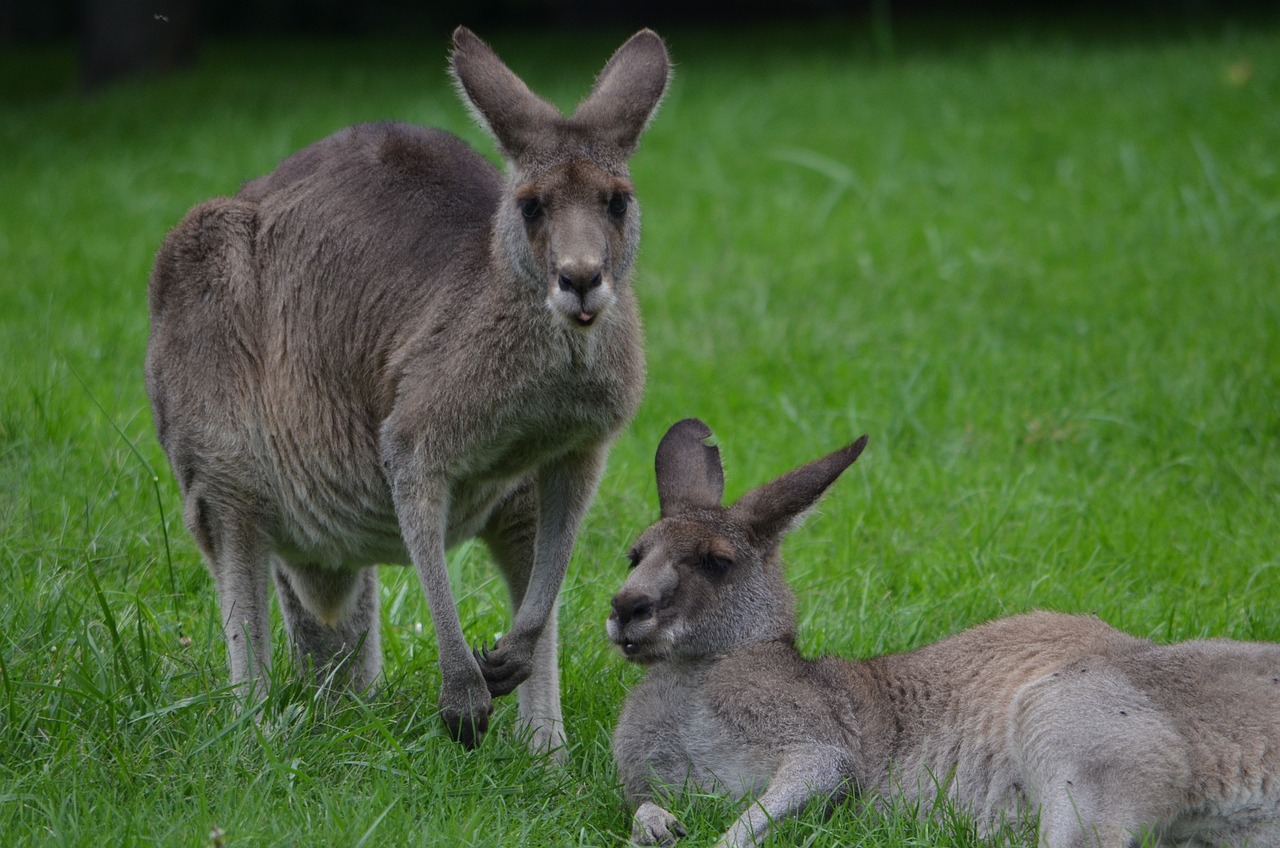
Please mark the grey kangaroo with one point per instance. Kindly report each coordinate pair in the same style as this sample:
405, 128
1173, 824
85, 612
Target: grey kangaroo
384, 348
1109, 738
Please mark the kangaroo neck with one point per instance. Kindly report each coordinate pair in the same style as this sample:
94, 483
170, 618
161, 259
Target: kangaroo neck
701, 665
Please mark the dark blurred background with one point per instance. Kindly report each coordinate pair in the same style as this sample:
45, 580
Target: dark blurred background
120, 38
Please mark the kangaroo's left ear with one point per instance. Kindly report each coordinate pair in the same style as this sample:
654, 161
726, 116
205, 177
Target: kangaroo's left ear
689, 472
626, 95
776, 507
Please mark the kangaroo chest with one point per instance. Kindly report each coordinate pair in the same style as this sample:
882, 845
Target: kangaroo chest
672, 730
324, 454
727, 730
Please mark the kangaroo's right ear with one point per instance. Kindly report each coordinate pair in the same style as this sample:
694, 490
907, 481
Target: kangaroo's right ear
778, 506
690, 475
499, 100
627, 92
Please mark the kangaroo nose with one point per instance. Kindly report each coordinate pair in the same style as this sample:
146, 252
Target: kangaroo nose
632, 606
580, 281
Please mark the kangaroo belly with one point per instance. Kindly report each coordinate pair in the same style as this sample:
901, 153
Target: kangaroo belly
336, 508
331, 495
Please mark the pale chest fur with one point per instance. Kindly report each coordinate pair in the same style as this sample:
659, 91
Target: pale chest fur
702, 725
671, 731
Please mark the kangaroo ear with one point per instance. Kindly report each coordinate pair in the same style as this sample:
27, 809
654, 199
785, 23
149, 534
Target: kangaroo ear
627, 92
499, 100
689, 472
776, 507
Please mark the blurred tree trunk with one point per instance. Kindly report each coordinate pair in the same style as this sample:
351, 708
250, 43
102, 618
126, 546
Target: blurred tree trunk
123, 38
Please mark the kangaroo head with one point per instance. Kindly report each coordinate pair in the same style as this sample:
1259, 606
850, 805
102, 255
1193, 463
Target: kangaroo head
569, 223
707, 577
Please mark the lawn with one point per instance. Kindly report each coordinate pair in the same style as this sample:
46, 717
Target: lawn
1039, 264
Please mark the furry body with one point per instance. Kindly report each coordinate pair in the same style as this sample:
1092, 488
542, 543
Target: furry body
376, 352
1041, 713
1102, 736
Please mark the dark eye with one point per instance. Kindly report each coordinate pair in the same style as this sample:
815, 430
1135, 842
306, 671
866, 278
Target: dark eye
633, 556
530, 208
715, 563
618, 204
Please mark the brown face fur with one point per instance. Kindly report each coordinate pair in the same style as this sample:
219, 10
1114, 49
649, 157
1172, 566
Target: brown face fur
680, 567
706, 578
581, 221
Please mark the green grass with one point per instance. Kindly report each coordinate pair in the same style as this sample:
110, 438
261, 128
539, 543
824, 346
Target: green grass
1040, 267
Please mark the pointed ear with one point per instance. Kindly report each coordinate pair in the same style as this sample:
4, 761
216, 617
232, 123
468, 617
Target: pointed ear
627, 92
689, 472
499, 100
776, 507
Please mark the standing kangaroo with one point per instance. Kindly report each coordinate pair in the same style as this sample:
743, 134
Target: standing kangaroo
383, 349
1109, 738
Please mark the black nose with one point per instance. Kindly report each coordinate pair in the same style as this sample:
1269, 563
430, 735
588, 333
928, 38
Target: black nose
580, 283
632, 606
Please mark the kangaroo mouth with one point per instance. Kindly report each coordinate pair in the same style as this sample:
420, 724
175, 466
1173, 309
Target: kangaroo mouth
642, 643
631, 647
639, 651
585, 319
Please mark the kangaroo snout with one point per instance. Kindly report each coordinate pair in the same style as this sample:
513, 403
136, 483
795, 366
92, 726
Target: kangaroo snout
581, 292
580, 282
633, 623
629, 606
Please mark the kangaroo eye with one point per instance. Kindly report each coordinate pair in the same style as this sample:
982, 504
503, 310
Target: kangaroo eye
715, 563
633, 556
618, 204
530, 208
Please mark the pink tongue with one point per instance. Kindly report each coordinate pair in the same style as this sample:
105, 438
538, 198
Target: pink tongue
586, 317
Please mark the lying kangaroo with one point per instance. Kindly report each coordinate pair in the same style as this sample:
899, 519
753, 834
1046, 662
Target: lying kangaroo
384, 348
1108, 737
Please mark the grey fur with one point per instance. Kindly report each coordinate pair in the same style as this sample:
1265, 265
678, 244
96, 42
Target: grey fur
383, 348
1107, 737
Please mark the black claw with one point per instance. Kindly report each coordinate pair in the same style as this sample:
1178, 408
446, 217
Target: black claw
482, 654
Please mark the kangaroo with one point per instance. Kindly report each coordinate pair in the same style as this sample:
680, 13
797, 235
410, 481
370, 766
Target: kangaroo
1110, 739
384, 348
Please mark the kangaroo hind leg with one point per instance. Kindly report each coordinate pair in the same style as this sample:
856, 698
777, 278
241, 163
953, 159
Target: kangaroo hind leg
238, 559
